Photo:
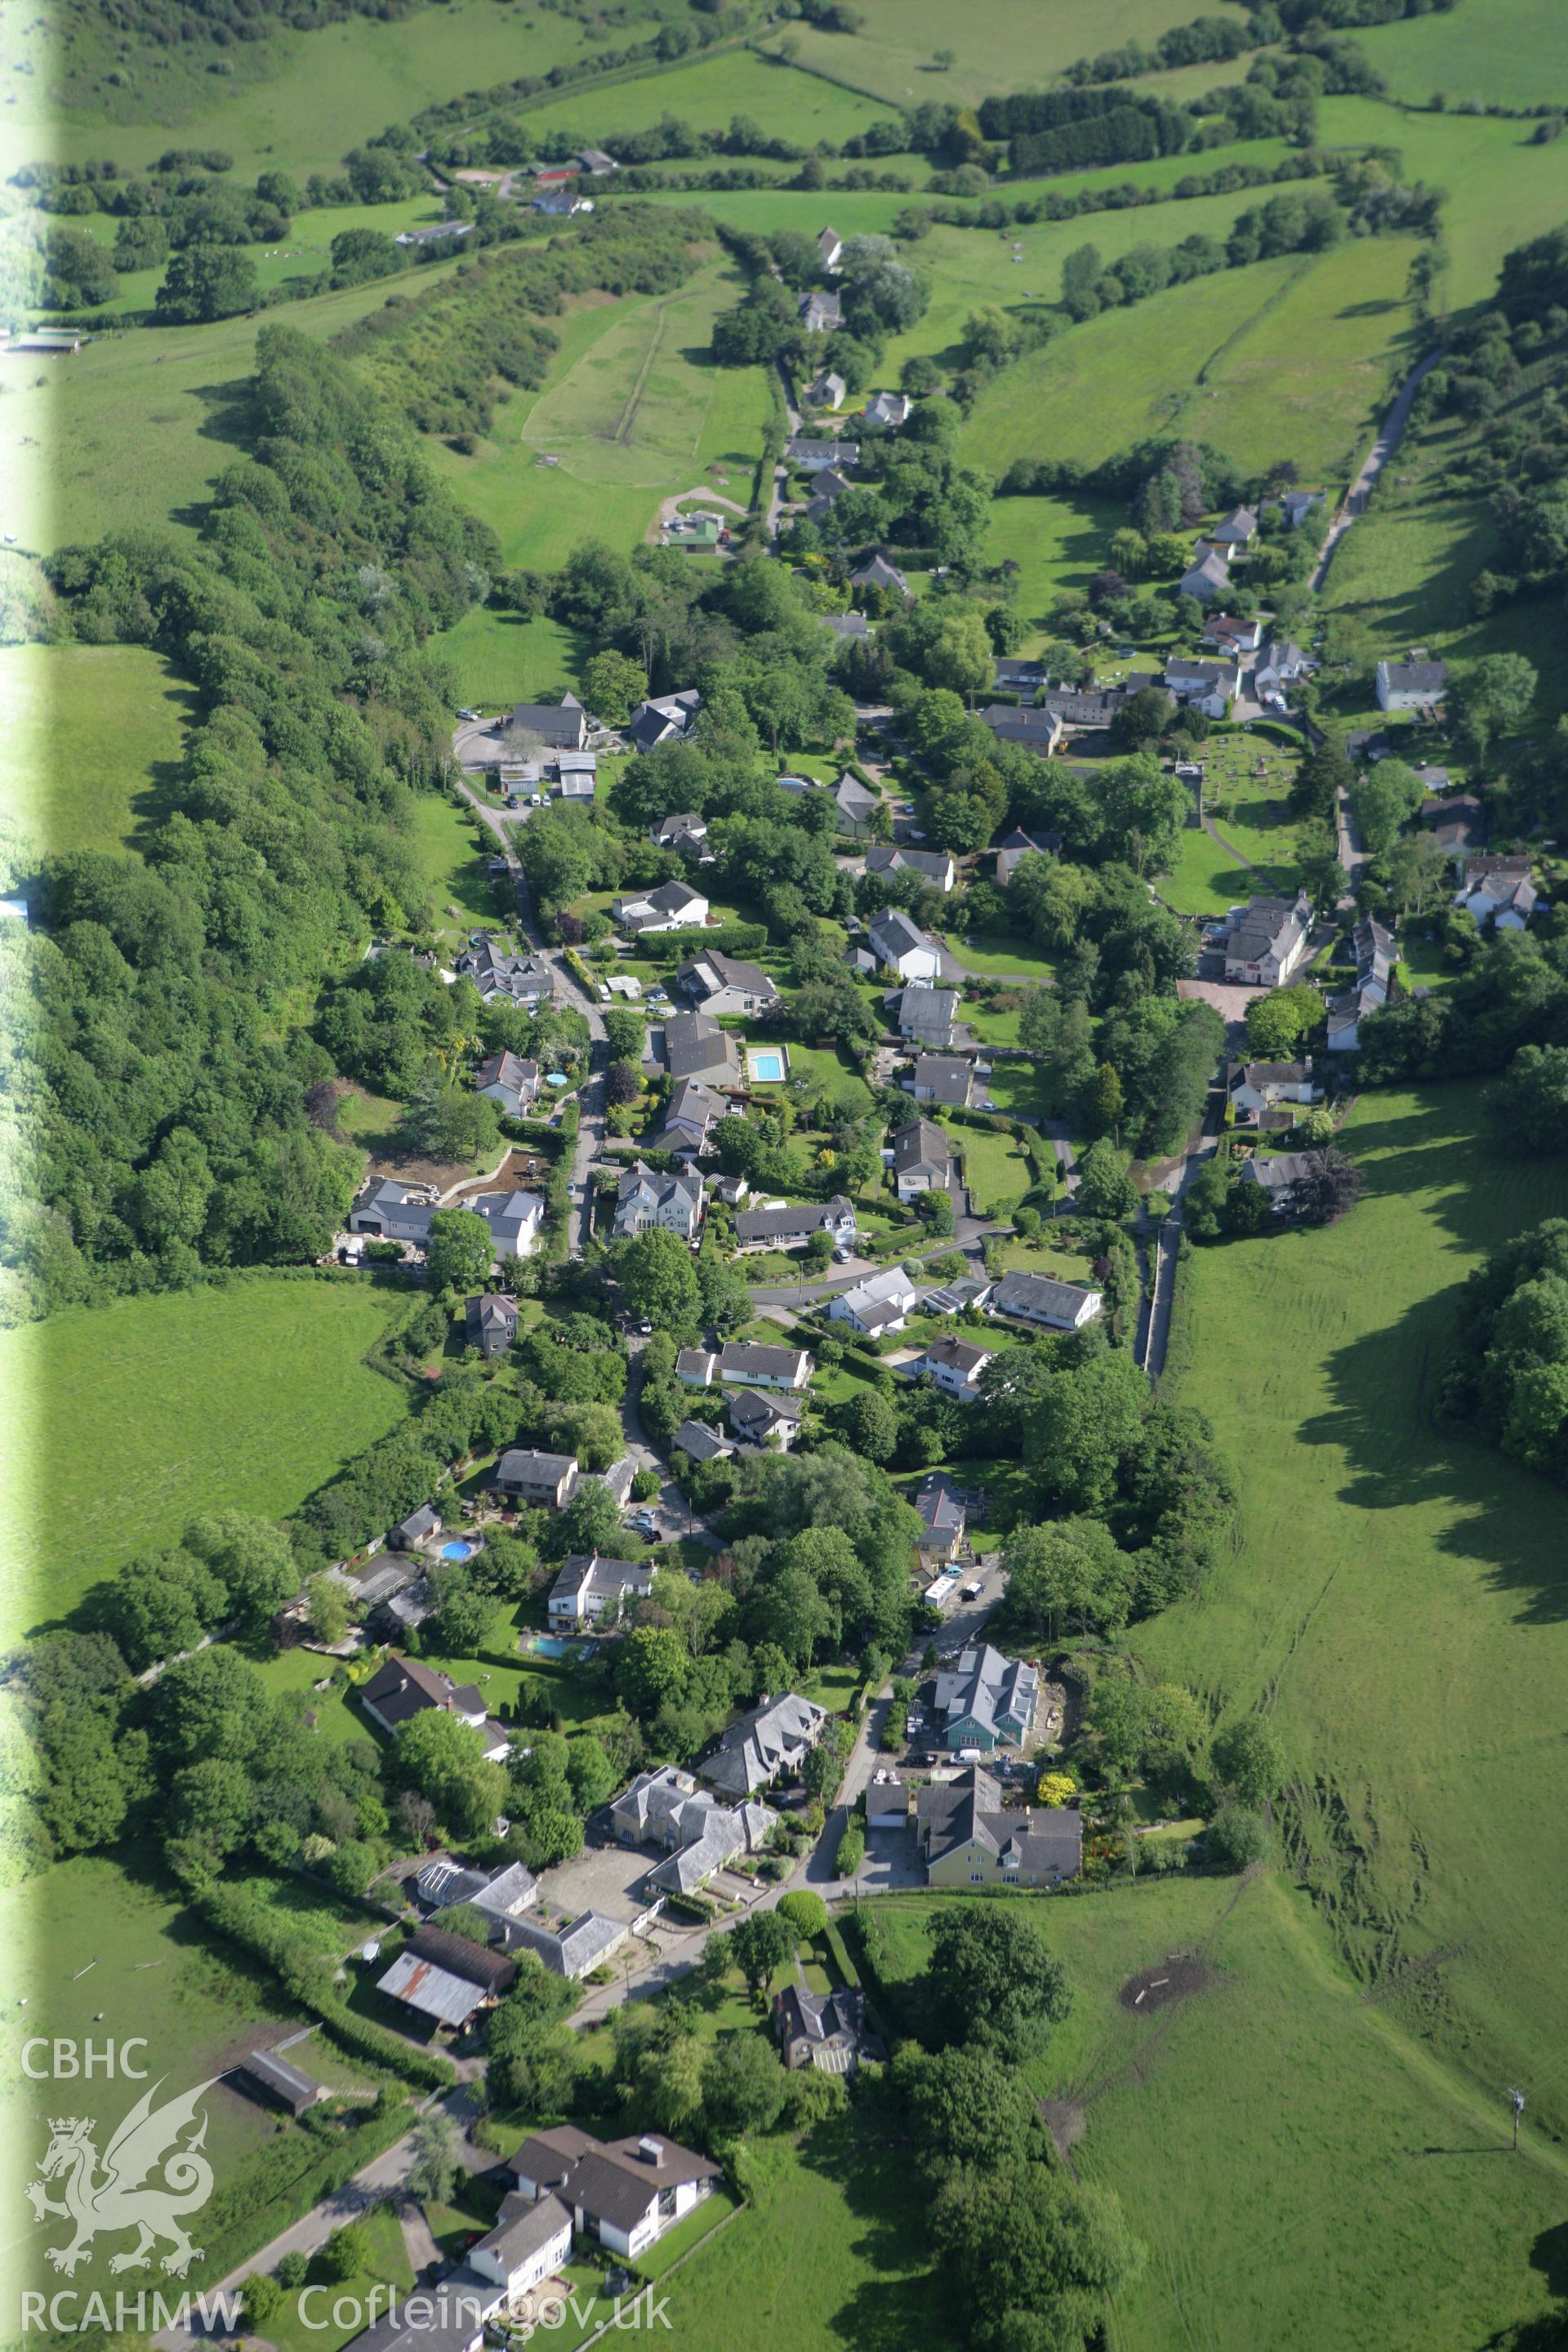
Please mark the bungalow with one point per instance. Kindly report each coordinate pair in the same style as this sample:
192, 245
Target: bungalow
1267, 940
448, 232
647, 1202
1203, 685
509, 1081
1254, 1086
813, 453
591, 1589
879, 573
1499, 888
966, 1838
945, 1078
1278, 1173
696, 1048
921, 1159
855, 804
688, 1117
525, 1476
561, 202
559, 726
695, 1439
765, 1368
927, 1015
665, 718
395, 1212
1232, 634
881, 1303
953, 1365
446, 1978
790, 1226
1238, 530
944, 1508
674, 907
489, 1323
829, 249
402, 1688
1279, 664
824, 2030
622, 2194
725, 986
827, 488
1205, 579
1015, 846
771, 1743
1038, 730
757, 1419
958, 1298
900, 946
1410, 685
685, 831
696, 1367
1040, 1298
986, 1700
889, 409
820, 312
933, 866
825, 391
503, 978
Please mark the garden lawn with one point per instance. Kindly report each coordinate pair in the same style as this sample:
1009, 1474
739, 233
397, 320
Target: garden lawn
632, 411
995, 1168
1207, 878
1002, 957
122, 1425
91, 742
452, 848
825, 1071
1398, 1600
1307, 2122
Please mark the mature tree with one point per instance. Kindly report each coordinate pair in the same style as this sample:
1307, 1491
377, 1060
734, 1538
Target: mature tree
966, 2108
1078, 1424
1322, 776
348, 2254
1493, 696
992, 1980
759, 1945
744, 2084
1248, 1759
1068, 1572
451, 1122
613, 685
1104, 1187
871, 1426
1328, 1188
437, 2159
654, 1669
1418, 872
657, 1281
1039, 2261
252, 1559
462, 1611
591, 1521
1530, 1102
359, 256
263, 2297
1279, 1020
589, 1772
1384, 800
804, 1911
1104, 1106
444, 1757
460, 1251
205, 282
1237, 1836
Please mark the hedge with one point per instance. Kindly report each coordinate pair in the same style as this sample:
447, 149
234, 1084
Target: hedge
839, 1952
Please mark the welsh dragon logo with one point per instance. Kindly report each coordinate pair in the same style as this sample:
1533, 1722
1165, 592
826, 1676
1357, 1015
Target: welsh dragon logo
115, 2193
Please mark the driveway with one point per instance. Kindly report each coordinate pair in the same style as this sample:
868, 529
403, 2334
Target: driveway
601, 1878
1389, 436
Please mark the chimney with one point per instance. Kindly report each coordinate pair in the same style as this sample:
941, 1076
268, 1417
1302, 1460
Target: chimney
650, 2151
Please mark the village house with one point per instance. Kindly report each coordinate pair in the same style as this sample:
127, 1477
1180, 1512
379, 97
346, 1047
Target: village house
854, 803
933, 866
883, 1302
402, 1688
726, 986
945, 1078
820, 312
507, 1080
502, 1899
665, 718
1038, 730
622, 2195
525, 1476
1267, 940
827, 487
1018, 845
675, 906
694, 1046
682, 832
1279, 664
1498, 890
877, 572
824, 2030
1410, 685
500, 978
696, 1367
1254, 1086
888, 409
1039, 1298
698, 1443
812, 452
574, 1946
1019, 674
1238, 530
1232, 634
767, 1744
1203, 685
825, 391
928, 1016
944, 1508
829, 249
790, 1225
528, 2245
649, 1202
1278, 1172
1207, 578
689, 1117
953, 1365
591, 1589
901, 948
921, 1159
489, 1323
558, 726
986, 1700
765, 1368
968, 1838
850, 628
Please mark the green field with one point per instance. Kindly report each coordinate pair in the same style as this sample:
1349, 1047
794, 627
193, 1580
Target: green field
1001, 44
705, 95
247, 1397
990, 952
90, 744
1502, 52
313, 95
1055, 542
452, 846
497, 658
1398, 1601
1289, 356
632, 411
133, 431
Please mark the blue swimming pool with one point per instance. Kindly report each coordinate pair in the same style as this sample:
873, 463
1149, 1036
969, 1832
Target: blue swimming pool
459, 1551
551, 1645
766, 1064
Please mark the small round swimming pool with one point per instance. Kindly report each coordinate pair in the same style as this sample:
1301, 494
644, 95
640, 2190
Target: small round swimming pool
459, 1551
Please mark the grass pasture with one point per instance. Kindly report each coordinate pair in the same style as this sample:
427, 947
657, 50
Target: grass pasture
707, 94
452, 848
245, 1398
632, 411
1506, 52
1055, 542
497, 658
92, 741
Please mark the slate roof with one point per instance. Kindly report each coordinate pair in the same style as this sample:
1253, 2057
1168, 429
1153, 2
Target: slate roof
700, 1442
946, 1077
929, 1014
893, 934
696, 1048
879, 573
754, 1747
748, 1360
987, 1688
806, 1217
921, 1148
1039, 1298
